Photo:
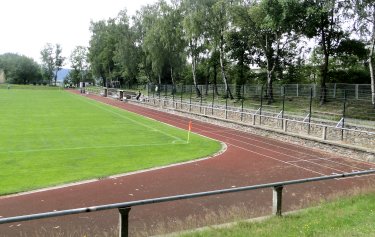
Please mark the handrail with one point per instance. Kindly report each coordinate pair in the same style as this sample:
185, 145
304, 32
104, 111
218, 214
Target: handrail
176, 197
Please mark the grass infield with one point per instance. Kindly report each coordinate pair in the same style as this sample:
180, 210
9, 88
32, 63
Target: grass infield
51, 137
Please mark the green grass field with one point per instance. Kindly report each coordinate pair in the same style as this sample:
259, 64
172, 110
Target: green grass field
51, 137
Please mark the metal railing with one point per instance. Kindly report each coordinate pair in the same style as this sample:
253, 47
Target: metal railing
124, 207
318, 129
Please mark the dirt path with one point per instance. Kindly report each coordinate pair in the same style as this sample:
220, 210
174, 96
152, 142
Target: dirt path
249, 160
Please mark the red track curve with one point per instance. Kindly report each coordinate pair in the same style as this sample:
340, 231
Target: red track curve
249, 160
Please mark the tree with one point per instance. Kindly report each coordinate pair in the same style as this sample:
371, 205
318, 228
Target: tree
271, 26
172, 38
102, 49
143, 22
127, 54
195, 19
79, 64
219, 28
365, 24
52, 61
19, 69
323, 21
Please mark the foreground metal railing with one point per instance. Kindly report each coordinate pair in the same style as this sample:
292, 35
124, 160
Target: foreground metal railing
124, 207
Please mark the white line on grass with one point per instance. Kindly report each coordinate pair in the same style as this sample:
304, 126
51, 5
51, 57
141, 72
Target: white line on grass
127, 118
176, 142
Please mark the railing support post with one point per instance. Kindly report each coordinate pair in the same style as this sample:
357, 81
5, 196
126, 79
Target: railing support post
277, 200
121, 95
285, 126
324, 133
124, 221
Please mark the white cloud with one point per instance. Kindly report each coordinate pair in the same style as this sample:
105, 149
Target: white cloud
26, 26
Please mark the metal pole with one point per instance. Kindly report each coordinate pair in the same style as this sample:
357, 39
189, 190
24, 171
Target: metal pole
182, 89
173, 95
242, 109
311, 96
261, 105
282, 111
124, 221
277, 200
159, 93
200, 107
343, 116
213, 98
226, 105
243, 91
191, 94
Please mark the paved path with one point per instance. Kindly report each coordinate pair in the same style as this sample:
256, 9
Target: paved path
249, 159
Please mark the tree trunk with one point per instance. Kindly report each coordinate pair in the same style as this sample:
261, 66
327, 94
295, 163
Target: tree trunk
207, 80
370, 61
223, 74
269, 87
172, 78
215, 80
194, 67
324, 68
240, 81
173, 82
56, 77
323, 87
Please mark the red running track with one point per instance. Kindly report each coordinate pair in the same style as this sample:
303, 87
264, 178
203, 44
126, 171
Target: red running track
248, 160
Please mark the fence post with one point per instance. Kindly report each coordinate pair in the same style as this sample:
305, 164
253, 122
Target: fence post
105, 92
173, 90
182, 91
121, 95
324, 133
282, 113
297, 90
200, 106
356, 91
226, 105
124, 222
191, 94
213, 98
261, 106
242, 109
311, 96
277, 200
343, 116
334, 90
285, 126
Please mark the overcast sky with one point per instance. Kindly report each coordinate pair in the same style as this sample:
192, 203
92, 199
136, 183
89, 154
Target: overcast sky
27, 25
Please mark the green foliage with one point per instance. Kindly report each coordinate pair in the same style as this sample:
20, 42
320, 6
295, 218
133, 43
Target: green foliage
52, 62
80, 66
20, 69
102, 49
220, 41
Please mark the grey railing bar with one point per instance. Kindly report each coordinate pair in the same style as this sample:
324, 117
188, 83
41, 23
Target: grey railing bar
177, 197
